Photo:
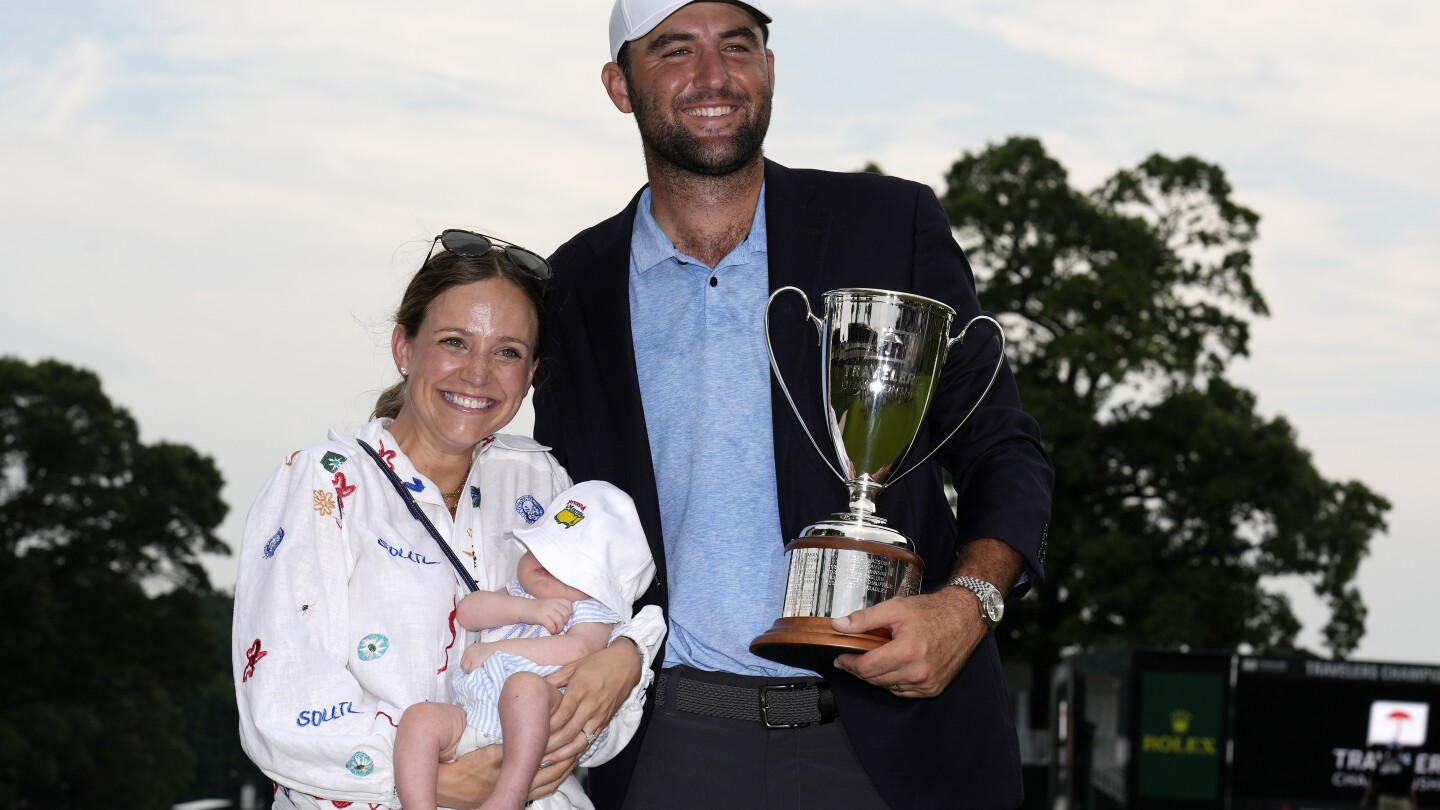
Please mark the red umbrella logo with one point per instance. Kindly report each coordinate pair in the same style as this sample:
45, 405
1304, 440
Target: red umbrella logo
1399, 717
1398, 722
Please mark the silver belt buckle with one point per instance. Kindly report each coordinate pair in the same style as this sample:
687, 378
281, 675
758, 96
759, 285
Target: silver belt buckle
765, 704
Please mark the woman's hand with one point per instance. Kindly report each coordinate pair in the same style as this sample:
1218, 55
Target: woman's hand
595, 688
548, 779
468, 781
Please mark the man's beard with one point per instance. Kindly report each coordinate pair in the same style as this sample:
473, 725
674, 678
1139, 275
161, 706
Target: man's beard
672, 143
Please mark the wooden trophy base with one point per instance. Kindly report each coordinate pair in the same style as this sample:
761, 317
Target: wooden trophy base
811, 642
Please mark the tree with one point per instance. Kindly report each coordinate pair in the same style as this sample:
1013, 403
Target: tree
212, 718
99, 542
1175, 502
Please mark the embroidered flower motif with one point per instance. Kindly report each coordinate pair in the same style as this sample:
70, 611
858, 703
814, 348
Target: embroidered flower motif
331, 461
274, 543
290, 462
252, 657
475, 496
487, 441
415, 484
529, 508
373, 646
388, 455
306, 604
324, 502
360, 764
343, 490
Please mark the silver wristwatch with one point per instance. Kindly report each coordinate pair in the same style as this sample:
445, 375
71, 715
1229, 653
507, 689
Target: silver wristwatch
992, 604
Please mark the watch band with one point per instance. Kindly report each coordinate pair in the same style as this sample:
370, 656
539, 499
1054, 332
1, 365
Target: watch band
992, 604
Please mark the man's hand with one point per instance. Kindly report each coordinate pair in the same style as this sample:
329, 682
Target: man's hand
932, 636
550, 613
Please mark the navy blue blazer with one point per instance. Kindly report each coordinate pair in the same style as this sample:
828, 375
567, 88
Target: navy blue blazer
826, 231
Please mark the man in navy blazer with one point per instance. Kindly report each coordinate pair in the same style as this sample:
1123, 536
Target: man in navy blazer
655, 378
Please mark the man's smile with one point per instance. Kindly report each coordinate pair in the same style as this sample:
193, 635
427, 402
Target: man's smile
710, 112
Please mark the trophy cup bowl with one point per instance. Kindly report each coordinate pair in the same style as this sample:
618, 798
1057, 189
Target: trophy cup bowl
881, 357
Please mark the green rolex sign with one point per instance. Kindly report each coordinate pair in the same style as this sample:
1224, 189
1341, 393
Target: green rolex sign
1178, 753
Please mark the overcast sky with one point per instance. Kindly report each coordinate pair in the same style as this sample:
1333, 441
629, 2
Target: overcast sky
215, 206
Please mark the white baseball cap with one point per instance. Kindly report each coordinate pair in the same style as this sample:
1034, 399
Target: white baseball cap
591, 539
633, 19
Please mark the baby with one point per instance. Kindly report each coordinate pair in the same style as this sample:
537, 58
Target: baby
585, 565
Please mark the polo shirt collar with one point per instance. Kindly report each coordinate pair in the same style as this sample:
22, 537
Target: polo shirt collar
650, 247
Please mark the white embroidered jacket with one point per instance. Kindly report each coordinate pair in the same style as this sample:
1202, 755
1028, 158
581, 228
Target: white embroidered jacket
344, 609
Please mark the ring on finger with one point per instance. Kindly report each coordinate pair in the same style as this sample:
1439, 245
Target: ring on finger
590, 737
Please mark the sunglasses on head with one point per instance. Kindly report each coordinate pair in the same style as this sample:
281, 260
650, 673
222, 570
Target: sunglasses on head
469, 243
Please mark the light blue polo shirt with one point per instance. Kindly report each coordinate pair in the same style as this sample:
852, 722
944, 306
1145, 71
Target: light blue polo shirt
705, 384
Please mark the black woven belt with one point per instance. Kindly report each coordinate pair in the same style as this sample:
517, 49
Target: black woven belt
784, 705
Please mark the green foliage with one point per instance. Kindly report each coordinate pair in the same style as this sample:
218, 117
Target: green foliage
1175, 501
212, 719
82, 488
99, 542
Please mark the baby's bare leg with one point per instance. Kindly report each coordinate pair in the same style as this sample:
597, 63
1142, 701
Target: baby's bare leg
428, 736
525, 705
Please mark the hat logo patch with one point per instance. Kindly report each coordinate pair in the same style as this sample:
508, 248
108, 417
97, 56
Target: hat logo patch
573, 513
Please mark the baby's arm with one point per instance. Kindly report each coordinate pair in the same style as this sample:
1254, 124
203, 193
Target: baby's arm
482, 609
577, 642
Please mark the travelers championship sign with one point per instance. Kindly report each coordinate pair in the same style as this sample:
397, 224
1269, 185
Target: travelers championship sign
1318, 730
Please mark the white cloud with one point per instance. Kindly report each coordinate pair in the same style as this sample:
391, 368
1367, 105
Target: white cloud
1337, 297
1330, 82
67, 88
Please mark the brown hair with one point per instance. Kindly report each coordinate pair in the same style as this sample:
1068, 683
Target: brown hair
443, 271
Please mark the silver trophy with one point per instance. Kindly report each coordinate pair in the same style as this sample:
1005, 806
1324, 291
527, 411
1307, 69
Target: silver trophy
881, 354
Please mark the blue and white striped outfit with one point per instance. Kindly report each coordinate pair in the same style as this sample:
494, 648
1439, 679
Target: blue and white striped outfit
478, 691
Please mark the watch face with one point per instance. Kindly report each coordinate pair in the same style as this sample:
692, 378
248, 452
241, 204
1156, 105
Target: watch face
994, 607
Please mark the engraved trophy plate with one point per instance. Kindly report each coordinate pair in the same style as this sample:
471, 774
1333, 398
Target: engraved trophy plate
881, 357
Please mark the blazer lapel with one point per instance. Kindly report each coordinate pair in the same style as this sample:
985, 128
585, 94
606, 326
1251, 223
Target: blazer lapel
798, 224
606, 289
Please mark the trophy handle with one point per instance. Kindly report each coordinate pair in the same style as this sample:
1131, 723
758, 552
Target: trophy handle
999, 361
780, 378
